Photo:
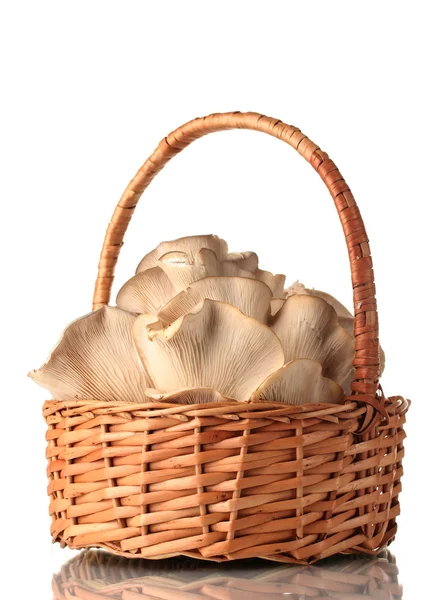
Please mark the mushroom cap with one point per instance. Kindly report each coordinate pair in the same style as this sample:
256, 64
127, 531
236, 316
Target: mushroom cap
250, 296
95, 359
298, 289
345, 318
215, 346
307, 327
275, 282
189, 245
182, 273
298, 382
146, 292
246, 260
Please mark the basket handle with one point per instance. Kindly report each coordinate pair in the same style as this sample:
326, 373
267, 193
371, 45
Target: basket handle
367, 356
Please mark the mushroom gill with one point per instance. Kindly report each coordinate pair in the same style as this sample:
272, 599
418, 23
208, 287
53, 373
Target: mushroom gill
345, 318
182, 272
307, 327
95, 359
146, 292
215, 346
298, 382
250, 296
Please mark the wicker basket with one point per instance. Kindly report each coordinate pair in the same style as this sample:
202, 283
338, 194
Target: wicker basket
230, 481
95, 574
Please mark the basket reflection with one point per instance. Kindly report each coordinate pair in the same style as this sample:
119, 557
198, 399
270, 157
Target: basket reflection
95, 574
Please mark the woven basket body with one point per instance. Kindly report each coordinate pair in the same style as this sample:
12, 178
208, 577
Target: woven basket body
94, 575
230, 481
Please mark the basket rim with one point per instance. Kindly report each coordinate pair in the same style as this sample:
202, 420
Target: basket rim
395, 404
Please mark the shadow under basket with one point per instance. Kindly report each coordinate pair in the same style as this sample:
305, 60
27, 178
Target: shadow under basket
227, 481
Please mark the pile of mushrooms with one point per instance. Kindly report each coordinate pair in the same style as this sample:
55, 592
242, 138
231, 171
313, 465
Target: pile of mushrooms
198, 324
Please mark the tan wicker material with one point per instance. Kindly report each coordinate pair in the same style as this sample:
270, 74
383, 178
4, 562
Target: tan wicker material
230, 481
95, 575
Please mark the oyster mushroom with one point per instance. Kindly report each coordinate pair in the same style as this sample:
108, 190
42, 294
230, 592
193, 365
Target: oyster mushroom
298, 382
188, 245
275, 282
250, 296
146, 292
212, 327
307, 327
96, 359
298, 289
182, 272
215, 346
246, 260
249, 261
345, 318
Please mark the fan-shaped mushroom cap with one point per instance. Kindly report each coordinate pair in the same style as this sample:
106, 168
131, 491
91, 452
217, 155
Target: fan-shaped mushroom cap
275, 282
146, 292
246, 260
95, 359
249, 262
250, 296
189, 245
345, 319
298, 289
188, 396
215, 346
298, 382
206, 264
307, 327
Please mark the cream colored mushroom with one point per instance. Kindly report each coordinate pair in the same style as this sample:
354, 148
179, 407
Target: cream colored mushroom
249, 261
276, 304
275, 282
188, 245
146, 292
345, 319
307, 327
96, 359
246, 260
298, 382
188, 396
215, 346
298, 289
182, 272
250, 296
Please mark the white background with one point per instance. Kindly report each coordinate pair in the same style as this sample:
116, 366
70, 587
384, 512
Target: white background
89, 89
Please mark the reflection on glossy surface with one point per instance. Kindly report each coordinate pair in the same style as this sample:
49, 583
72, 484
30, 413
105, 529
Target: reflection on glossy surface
95, 574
